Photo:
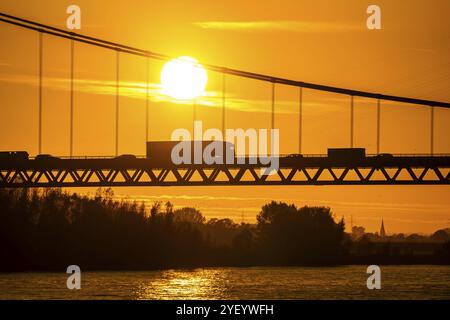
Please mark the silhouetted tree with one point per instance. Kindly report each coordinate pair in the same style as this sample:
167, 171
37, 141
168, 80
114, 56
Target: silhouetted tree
189, 215
308, 235
221, 231
51, 229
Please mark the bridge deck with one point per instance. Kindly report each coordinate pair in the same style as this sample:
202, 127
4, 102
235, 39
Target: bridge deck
384, 170
285, 162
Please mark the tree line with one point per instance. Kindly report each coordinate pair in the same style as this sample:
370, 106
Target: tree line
51, 229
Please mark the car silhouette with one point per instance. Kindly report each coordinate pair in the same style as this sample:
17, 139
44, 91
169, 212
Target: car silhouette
384, 156
46, 158
126, 157
294, 156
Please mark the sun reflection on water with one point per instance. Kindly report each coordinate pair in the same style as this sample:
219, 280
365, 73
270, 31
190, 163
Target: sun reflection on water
344, 282
179, 284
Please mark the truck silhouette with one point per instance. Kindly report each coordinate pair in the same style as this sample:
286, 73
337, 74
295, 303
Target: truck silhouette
346, 154
13, 156
160, 152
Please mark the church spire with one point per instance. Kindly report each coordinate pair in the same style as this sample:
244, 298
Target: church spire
382, 231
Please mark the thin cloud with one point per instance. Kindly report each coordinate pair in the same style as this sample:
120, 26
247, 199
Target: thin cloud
341, 204
277, 25
211, 98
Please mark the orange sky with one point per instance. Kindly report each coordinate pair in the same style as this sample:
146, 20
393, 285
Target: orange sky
324, 42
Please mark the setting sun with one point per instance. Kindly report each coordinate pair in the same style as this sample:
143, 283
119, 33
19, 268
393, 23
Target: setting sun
183, 78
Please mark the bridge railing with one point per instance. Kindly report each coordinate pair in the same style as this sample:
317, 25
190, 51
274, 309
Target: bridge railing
284, 155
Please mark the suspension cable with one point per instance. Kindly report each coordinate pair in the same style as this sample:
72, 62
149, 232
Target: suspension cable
72, 44
351, 121
41, 49
273, 105
378, 124
135, 51
432, 130
300, 119
146, 98
223, 102
117, 101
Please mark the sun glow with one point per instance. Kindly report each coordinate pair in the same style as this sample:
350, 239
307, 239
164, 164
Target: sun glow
183, 78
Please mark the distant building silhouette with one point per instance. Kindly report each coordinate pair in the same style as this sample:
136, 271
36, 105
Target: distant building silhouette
382, 231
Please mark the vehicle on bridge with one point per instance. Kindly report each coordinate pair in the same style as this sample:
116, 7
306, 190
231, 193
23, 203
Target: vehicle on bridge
346, 154
160, 152
46, 158
292, 159
384, 156
126, 157
295, 156
13, 155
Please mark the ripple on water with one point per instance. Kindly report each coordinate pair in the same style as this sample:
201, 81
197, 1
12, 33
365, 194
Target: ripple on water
346, 282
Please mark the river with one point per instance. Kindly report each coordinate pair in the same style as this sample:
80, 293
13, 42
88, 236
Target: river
344, 282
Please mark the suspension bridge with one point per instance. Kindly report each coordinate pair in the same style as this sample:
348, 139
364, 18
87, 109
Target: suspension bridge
17, 170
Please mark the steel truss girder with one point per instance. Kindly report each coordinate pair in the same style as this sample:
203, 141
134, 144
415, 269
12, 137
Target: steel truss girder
223, 175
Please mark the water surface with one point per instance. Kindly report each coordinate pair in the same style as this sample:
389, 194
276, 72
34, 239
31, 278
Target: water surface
346, 282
